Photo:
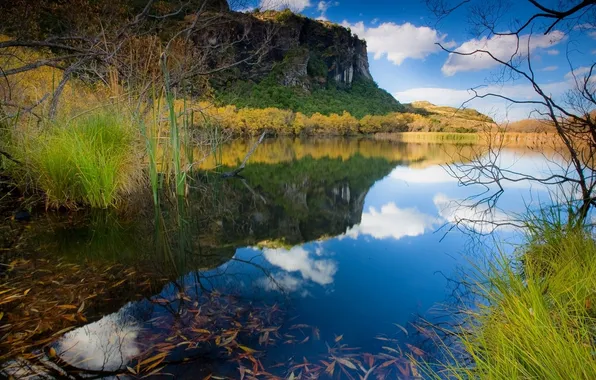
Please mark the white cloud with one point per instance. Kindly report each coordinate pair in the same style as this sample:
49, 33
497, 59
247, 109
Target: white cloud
375, 21
501, 47
399, 42
550, 68
282, 281
294, 5
592, 34
323, 6
298, 259
431, 174
392, 222
479, 218
107, 345
552, 52
579, 74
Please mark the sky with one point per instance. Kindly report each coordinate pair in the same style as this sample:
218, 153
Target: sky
406, 61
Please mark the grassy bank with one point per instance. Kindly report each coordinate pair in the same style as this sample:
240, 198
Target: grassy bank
92, 160
539, 321
494, 138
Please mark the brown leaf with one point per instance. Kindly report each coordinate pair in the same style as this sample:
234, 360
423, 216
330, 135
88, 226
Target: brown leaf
330, 369
248, 350
401, 328
67, 307
346, 362
388, 363
415, 350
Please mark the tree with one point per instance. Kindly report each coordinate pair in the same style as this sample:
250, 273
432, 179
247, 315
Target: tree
571, 115
137, 43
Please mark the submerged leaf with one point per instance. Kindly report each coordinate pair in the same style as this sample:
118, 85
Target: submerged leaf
247, 349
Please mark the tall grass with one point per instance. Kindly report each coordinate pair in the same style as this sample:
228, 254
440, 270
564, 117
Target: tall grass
539, 321
91, 161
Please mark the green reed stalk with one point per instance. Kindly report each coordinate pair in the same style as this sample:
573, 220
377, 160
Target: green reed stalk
179, 173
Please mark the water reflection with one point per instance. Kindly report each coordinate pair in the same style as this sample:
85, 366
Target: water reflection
392, 221
107, 345
336, 235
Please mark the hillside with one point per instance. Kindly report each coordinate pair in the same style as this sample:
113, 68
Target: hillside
258, 60
270, 70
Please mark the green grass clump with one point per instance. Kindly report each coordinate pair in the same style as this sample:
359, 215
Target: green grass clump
90, 161
540, 318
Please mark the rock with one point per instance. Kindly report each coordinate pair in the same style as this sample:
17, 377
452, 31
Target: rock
300, 51
22, 216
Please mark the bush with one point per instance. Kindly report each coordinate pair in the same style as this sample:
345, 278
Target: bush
363, 98
91, 161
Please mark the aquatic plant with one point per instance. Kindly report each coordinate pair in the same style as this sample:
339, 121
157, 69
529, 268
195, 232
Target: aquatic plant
92, 160
539, 319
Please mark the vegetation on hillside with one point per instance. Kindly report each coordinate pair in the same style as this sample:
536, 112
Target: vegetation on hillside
363, 98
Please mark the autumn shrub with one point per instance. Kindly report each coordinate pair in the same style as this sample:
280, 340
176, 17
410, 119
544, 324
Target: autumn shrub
89, 161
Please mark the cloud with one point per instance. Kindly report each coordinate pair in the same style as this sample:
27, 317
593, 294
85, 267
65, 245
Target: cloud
399, 42
501, 47
580, 74
294, 5
375, 21
282, 281
392, 222
479, 218
108, 344
550, 68
431, 174
552, 52
323, 6
298, 259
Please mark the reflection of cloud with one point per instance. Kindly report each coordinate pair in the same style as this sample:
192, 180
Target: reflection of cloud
106, 345
298, 259
393, 222
431, 174
282, 281
479, 218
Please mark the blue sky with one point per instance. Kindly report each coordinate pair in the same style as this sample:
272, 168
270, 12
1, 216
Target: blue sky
405, 60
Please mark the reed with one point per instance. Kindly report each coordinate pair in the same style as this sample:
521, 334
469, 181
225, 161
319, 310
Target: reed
539, 319
92, 160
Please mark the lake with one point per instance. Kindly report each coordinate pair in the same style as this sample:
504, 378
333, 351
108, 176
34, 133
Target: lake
324, 257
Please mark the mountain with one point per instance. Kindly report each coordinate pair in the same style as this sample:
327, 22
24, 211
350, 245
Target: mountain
307, 66
258, 59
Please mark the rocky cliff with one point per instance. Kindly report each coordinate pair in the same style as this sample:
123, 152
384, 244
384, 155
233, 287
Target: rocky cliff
296, 50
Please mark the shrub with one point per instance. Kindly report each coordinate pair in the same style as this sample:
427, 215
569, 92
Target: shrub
90, 161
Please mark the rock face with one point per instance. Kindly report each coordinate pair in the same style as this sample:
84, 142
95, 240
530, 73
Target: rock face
295, 50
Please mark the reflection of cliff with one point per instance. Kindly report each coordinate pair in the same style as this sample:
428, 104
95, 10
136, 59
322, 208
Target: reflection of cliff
295, 201
287, 203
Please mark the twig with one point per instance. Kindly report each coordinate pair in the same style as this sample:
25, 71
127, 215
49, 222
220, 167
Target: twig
240, 168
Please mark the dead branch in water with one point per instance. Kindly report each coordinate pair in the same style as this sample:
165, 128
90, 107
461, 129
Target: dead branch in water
240, 168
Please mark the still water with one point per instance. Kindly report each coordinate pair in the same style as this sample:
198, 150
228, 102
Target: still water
320, 260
